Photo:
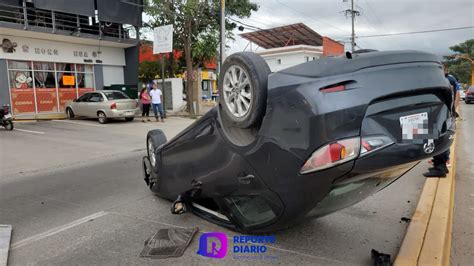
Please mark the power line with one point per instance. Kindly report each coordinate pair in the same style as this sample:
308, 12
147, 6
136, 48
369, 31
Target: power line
305, 15
245, 24
414, 32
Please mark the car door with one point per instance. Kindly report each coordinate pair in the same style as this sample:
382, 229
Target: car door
93, 104
80, 104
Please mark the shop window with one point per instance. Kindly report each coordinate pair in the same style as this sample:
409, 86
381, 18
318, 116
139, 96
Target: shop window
44, 75
85, 82
65, 67
20, 79
19, 65
84, 68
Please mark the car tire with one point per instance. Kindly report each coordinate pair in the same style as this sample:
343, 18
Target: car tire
243, 85
129, 119
154, 139
69, 113
101, 117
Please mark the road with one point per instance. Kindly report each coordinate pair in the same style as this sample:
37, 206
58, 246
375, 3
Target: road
74, 194
462, 249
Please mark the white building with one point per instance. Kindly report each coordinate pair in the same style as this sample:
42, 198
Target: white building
284, 57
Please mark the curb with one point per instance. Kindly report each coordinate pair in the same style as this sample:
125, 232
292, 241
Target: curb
427, 240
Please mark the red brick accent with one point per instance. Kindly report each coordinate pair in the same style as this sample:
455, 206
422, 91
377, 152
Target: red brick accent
331, 47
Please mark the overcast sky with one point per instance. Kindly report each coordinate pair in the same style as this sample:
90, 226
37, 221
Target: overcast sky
376, 17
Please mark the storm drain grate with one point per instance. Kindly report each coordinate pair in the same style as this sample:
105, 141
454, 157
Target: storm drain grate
168, 243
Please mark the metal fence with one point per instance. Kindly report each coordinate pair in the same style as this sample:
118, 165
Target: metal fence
59, 22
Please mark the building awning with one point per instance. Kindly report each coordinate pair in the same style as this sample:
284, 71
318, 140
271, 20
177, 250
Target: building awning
295, 34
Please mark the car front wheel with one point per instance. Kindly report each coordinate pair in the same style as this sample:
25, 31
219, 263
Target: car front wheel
69, 113
243, 89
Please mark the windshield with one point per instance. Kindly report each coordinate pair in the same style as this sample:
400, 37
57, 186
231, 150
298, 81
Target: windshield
115, 95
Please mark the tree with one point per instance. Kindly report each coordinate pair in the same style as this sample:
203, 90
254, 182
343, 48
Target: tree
461, 67
196, 30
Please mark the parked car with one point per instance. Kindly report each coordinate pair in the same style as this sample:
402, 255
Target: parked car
462, 95
305, 141
103, 105
469, 95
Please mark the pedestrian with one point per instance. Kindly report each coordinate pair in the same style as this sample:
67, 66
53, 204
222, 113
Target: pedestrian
440, 161
156, 100
146, 101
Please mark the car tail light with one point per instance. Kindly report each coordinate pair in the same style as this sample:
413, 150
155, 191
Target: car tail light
332, 154
372, 143
333, 88
113, 106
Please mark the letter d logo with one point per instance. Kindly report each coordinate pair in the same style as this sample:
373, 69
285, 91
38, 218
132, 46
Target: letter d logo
213, 245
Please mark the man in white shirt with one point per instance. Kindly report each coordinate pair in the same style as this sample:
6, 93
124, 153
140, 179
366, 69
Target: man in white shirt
156, 100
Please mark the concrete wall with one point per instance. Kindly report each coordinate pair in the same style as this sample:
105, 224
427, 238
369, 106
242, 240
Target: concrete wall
4, 90
99, 77
131, 66
282, 61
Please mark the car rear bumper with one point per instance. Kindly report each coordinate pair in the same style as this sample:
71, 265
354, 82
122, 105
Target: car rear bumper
121, 113
469, 98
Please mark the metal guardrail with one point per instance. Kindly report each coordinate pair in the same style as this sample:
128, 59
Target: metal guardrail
58, 21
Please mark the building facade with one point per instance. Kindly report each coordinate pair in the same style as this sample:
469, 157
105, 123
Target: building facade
53, 51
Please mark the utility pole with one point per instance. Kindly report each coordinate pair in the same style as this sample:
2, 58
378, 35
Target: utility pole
222, 33
353, 13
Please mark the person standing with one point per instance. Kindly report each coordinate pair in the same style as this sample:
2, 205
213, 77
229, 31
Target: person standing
440, 167
156, 100
146, 101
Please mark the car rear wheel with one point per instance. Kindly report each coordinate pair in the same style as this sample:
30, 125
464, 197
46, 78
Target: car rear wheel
154, 139
129, 119
243, 89
69, 113
101, 117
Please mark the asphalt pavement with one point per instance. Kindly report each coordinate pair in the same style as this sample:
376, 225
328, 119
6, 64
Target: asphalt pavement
74, 194
462, 249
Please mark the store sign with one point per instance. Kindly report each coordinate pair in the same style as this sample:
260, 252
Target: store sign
68, 80
163, 39
21, 48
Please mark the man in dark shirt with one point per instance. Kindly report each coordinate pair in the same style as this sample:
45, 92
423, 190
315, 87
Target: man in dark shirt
440, 161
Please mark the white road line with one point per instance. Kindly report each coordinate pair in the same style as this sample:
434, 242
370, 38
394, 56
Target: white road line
56, 230
79, 123
5, 235
29, 131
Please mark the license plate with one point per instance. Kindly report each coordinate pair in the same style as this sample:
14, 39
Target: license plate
413, 125
8, 116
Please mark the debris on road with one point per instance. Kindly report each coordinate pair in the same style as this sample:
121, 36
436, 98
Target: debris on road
405, 219
168, 243
380, 259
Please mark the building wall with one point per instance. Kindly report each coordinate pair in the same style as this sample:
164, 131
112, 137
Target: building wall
113, 75
282, 61
331, 47
99, 77
4, 90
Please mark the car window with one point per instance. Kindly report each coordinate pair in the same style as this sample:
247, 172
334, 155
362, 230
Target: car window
115, 95
83, 98
95, 98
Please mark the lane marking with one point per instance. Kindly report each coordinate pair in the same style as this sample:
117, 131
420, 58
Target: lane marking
57, 230
5, 236
29, 131
79, 123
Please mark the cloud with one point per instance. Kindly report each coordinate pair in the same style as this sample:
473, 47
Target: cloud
377, 17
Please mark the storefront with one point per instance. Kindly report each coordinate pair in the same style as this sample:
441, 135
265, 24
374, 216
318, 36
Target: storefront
40, 76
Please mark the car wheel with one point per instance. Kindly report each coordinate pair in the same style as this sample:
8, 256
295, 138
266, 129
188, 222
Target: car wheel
69, 113
9, 125
101, 117
129, 119
154, 139
243, 89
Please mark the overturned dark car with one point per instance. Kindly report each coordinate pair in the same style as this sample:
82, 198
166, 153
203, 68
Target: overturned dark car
304, 141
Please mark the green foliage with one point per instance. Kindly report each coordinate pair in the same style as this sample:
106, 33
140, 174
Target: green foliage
197, 19
460, 67
148, 70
